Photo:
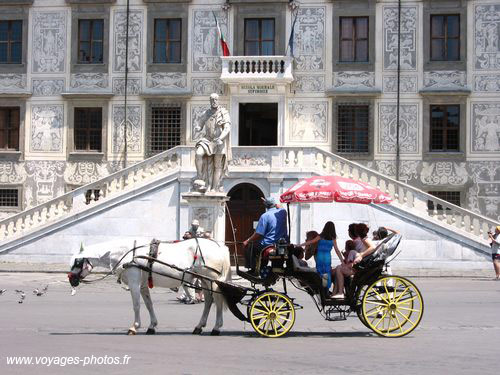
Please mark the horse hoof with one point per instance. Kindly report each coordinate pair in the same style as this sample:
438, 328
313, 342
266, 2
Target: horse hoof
131, 332
150, 331
197, 331
215, 333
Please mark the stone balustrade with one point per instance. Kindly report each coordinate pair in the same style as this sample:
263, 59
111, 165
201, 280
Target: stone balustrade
250, 69
295, 162
85, 197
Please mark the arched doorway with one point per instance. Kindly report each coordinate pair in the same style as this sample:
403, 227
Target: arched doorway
245, 206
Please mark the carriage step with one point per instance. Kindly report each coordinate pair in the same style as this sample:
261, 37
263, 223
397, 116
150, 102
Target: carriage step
336, 318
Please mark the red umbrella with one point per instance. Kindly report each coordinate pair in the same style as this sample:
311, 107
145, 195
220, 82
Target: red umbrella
333, 188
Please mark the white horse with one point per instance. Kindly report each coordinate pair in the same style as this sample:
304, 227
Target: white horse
202, 256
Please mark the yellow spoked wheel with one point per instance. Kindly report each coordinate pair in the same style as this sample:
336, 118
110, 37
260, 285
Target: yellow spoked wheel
272, 314
392, 306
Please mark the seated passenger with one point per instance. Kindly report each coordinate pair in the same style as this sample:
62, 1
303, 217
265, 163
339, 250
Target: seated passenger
325, 241
362, 248
378, 236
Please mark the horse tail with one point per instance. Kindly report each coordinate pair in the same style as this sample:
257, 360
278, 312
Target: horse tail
225, 275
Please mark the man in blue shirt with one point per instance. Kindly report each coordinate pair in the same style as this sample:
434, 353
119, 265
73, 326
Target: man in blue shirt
270, 229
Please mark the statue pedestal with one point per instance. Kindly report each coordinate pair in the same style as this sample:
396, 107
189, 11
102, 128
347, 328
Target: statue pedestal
209, 209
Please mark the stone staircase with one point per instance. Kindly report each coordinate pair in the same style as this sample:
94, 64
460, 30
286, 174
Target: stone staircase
286, 162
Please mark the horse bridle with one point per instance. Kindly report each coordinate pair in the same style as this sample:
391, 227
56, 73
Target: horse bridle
75, 277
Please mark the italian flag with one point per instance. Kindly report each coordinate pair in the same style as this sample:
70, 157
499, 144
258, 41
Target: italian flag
225, 48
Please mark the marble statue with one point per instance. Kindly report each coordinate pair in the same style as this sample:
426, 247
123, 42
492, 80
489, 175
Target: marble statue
213, 150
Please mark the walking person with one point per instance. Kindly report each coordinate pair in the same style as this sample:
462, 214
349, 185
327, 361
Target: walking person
495, 250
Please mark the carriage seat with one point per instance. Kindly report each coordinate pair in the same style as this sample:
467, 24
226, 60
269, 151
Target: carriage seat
298, 268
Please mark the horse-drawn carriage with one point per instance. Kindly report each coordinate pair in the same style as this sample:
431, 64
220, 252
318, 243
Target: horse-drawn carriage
391, 306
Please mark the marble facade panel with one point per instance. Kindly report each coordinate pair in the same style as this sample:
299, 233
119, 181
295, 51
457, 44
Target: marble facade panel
12, 82
134, 86
487, 83
135, 30
84, 172
49, 42
309, 39
486, 37
48, 87
485, 128
44, 181
47, 123
309, 121
166, 80
354, 80
408, 132
206, 86
407, 84
89, 81
205, 48
444, 173
408, 37
484, 195
134, 128
309, 83
449, 80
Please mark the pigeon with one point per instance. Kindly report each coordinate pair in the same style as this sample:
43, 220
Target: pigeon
2, 291
23, 295
39, 293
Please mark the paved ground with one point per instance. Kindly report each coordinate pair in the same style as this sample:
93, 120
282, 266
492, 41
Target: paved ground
459, 334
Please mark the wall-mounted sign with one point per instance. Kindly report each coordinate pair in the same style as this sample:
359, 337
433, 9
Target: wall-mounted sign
257, 89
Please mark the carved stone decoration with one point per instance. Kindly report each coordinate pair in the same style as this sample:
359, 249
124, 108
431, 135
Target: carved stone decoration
206, 47
135, 29
486, 37
309, 37
46, 128
408, 128
12, 82
49, 42
45, 181
354, 80
407, 169
444, 173
166, 80
249, 159
206, 86
48, 87
309, 121
89, 81
484, 195
485, 127
197, 112
487, 83
84, 172
447, 80
309, 83
409, 22
134, 128
134, 86
407, 84
12, 173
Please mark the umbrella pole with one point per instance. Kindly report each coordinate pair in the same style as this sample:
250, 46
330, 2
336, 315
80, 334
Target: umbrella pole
289, 227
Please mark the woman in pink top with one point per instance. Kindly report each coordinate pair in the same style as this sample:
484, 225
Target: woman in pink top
362, 247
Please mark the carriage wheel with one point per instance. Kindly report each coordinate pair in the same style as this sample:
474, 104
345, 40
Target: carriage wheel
359, 304
392, 306
272, 314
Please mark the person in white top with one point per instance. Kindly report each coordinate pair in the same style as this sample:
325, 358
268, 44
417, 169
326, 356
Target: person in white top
495, 250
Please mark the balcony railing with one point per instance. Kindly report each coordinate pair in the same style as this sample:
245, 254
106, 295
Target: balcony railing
245, 69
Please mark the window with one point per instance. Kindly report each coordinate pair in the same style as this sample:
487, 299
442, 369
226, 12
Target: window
9, 198
9, 128
165, 129
445, 37
11, 40
353, 39
90, 41
88, 129
352, 135
448, 196
445, 128
167, 41
259, 36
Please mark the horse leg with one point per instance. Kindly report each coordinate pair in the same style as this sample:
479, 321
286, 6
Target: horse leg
219, 304
134, 283
149, 305
206, 311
